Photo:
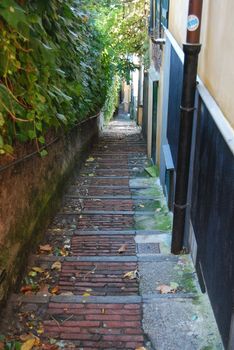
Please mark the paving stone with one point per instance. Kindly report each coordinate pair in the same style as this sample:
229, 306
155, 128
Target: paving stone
98, 278
89, 302
102, 245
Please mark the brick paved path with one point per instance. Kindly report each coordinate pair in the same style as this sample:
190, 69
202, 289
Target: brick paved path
89, 304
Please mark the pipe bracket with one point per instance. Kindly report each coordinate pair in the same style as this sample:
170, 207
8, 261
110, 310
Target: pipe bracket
184, 206
185, 109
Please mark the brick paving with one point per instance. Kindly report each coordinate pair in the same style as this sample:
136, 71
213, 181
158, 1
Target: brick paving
106, 245
95, 305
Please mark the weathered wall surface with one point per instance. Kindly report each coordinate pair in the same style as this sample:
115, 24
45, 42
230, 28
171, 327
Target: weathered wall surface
216, 58
30, 192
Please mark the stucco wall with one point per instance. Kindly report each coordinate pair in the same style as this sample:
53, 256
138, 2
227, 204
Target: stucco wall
216, 58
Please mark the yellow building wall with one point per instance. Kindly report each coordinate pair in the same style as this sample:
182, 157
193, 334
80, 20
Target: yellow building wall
216, 63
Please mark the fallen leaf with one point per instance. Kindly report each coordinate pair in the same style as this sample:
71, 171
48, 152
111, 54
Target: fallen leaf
46, 248
141, 348
2, 346
90, 159
131, 275
91, 175
63, 252
123, 248
165, 289
38, 269
56, 266
86, 294
40, 329
32, 273
54, 290
141, 205
28, 288
66, 293
29, 344
25, 337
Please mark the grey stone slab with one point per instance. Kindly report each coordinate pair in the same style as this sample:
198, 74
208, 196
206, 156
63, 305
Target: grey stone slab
102, 177
156, 258
162, 238
99, 197
51, 258
180, 324
101, 186
31, 299
103, 233
150, 232
150, 298
97, 300
167, 272
116, 259
148, 248
98, 212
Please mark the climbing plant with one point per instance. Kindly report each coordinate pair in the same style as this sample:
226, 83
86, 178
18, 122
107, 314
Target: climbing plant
52, 69
58, 60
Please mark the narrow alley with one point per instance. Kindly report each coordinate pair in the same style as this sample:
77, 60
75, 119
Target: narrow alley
104, 278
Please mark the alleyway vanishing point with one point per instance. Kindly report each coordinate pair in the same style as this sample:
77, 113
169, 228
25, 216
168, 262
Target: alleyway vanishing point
104, 278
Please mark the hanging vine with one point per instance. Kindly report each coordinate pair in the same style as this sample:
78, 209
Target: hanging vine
58, 59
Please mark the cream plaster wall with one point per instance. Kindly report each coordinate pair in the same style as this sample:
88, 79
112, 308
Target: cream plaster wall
216, 63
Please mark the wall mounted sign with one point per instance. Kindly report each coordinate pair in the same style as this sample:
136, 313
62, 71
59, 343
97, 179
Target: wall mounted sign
193, 23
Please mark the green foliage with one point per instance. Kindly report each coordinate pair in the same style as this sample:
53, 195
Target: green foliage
124, 26
112, 99
58, 60
52, 68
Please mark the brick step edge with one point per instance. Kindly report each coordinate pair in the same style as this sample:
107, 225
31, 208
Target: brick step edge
76, 299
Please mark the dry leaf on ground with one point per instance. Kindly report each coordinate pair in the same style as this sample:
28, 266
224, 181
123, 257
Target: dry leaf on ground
141, 348
29, 344
54, 290
27, 288
26, 336
90, 159
56, 266
131, 275
165, 289
38, 269
123, 248
32, 273
45, 248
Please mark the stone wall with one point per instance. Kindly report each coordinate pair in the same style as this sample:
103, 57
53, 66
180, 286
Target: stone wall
31, 192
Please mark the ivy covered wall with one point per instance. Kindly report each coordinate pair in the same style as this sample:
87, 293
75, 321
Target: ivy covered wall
53, 70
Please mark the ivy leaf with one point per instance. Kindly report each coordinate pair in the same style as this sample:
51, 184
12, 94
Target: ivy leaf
32, 134
43, 153
8, 149
1, 142
41, 139
12, 13
62, 118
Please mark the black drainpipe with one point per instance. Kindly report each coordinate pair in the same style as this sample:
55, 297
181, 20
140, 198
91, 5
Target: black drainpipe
191, 51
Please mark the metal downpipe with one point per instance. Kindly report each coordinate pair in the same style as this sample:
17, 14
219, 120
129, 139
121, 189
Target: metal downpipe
191, 51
